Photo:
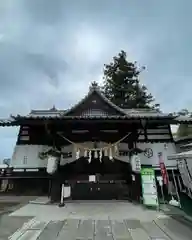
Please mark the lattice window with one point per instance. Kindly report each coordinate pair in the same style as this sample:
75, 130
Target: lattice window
123, 153
25, 127
24, 132
24, 138
25, 160
94, 112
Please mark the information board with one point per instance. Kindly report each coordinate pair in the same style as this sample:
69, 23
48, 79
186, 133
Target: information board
149, 187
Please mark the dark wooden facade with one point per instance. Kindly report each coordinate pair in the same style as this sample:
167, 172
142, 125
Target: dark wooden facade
93, 119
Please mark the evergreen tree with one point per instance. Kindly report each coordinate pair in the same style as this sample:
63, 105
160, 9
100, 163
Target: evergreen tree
122, 87
184, 130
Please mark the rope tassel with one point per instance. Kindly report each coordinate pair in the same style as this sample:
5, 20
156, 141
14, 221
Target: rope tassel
110, 148
100, 155
89, 159
96, 154
110, 154
85, 153
78, 154
116, 150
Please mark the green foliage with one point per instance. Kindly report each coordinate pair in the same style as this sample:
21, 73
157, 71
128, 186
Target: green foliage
50, 152
184, 130
183, 112
122, 87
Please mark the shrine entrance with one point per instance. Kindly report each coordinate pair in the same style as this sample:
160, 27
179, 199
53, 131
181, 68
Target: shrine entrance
105, 180
100, 191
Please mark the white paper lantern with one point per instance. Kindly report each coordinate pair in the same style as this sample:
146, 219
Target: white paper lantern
100, 155
52, 163
85, 153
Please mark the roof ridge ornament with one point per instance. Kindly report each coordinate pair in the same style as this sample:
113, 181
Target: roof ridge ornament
94, 86
53, 108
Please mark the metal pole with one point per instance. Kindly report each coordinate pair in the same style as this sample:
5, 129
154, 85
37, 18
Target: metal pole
62, 196
176, 188
168, 179
162, 193
179, 181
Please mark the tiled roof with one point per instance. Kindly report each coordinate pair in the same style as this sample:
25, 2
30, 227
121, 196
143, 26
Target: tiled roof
186, 145
128, 113
187, 154
95, 88
45, 113
185, 138
7, 122
183, 119
146, 113
60, 117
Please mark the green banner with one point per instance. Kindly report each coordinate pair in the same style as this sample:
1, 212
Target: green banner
149, 187
147, 171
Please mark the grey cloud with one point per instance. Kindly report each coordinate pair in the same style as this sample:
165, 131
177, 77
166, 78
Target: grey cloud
45, 12
50, 66
51, 49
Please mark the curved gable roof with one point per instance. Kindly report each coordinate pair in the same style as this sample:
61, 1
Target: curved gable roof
94, 92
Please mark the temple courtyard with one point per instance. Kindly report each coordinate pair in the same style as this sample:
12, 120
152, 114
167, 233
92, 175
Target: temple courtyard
86, 220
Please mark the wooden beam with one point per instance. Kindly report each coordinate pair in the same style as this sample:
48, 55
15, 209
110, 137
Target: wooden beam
145, 131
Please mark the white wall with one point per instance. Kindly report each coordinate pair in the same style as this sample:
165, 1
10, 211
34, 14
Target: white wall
33, 160
157, 147
161, 133
27, 156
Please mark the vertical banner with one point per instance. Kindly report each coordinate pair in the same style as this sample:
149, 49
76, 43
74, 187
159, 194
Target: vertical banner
149, 187
163, 168
136, 163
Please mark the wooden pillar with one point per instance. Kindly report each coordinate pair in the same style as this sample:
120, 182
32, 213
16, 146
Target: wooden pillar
136, 187
55, 192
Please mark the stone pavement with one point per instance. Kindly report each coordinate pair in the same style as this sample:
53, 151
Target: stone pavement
8, 225
98, 221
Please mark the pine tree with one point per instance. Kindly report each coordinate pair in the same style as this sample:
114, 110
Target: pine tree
122, 87
184, 130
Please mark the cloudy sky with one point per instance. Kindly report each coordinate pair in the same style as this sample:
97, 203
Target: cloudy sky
51, 50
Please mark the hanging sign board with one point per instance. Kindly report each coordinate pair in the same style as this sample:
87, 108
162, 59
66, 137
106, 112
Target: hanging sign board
136, 163
92, 178
149, 187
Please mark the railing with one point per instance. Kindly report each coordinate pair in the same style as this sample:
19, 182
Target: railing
16, 171
186, 176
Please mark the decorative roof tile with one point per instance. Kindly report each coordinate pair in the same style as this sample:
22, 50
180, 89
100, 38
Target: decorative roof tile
7, 122
46, 113
145, 113
183, 119
94, 88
